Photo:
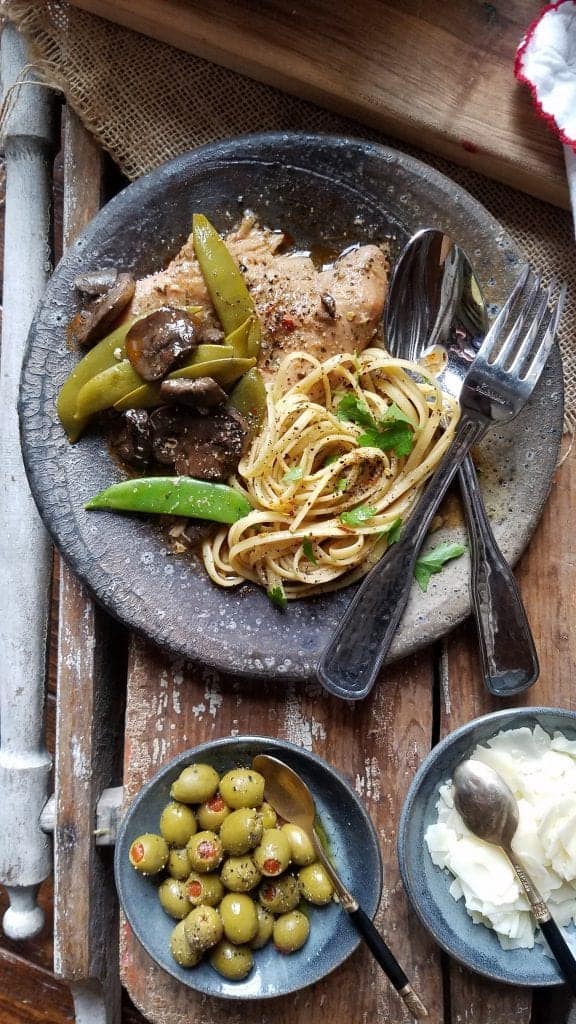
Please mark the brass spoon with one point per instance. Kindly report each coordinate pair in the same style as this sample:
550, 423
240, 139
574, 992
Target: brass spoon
488, 808
292, 800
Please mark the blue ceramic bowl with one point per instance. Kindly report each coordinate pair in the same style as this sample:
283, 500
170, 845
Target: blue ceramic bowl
427, 885
352, 845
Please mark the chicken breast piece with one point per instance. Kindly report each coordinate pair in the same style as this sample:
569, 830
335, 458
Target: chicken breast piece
323, 312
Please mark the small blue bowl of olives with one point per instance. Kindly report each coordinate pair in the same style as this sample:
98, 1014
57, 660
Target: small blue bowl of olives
226, 897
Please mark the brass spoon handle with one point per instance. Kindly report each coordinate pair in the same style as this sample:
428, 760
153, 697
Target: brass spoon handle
553, 934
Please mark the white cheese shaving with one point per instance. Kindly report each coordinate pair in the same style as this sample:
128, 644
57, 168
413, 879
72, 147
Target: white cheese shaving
541, 772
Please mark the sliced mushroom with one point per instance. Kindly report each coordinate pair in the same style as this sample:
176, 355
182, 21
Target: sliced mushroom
205, 447
160, 341
92, 322
132, 442
96, 282
203, 393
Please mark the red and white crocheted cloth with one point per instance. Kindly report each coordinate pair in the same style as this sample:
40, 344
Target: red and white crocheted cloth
546, 62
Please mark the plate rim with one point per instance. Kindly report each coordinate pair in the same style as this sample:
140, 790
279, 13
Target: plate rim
402, 841
278, 745
105, 584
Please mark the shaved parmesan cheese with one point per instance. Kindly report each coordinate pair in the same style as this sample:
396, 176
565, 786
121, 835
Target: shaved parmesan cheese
541, 772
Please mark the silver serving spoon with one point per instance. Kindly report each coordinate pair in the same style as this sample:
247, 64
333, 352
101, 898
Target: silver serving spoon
292, 800
434, 301
488, 808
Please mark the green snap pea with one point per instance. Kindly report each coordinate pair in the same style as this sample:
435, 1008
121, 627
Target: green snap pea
176, 496
226, 286
225, 370
249, 398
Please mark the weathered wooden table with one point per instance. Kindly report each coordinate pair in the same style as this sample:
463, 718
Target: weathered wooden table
106, 678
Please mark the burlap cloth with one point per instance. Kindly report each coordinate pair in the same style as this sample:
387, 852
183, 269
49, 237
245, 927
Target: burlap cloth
146, 102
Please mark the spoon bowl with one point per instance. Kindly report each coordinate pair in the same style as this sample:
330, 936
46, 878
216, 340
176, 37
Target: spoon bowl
436, 315
485, 803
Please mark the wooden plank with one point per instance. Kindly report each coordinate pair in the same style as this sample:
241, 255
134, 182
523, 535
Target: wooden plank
427, 74
546, 576
85, 909
29, 994
377, 744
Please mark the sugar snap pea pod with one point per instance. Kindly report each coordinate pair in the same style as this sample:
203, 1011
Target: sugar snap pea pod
240, 339
107, 353
224, 371
174, 496
111, 386
226, 286
249, 398
104, 355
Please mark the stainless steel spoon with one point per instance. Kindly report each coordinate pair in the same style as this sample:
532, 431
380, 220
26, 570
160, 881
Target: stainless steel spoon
488, 808
292, 800
434, 300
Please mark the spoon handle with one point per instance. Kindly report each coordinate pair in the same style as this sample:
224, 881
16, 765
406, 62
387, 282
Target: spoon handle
388, 962
349, 666
507, 651
565, 958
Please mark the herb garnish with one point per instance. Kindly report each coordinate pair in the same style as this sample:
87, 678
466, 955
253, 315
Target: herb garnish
309, 551
392, 532
434, 561
292, 475
393, 432
356, 516
277, 596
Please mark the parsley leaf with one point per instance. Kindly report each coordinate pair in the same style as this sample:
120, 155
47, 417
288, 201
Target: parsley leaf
293, 474
434, 561
330, 459
394, 432
341, 485
354, 410
277, 596
392, 532
309, 551
356, 516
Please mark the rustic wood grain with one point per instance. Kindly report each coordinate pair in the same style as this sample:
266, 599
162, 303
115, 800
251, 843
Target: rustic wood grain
85, 908
377, 745
438, 75
31, 995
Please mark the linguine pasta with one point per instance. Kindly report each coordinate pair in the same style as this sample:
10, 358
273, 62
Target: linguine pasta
325, 499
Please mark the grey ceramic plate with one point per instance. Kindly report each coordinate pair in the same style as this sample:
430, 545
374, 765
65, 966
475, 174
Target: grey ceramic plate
427, 885
352, 844
321, 189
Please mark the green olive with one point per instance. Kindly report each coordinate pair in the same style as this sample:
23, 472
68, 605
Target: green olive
177, 824
268, 814
238, 913
315, 885
241, 831
204, 890
197, 783
178, 865
240, 874
279, 894
204, 851
232, 962
181, 949
173, 897
212, 812
291, 931
242, 787
265, 925
203, 928
272, 856
301, 850
148, 853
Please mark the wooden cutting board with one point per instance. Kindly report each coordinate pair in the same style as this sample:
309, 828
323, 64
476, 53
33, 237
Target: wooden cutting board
438, 75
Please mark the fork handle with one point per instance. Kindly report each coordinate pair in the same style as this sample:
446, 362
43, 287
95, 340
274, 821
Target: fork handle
349, 666
508, 655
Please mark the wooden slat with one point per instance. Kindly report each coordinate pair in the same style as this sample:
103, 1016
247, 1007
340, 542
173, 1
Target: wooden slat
425, 73
546, 576
85, 910
376, 744
29, 994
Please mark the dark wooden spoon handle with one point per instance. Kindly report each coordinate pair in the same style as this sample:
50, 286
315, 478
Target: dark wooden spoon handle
388, 962
561, 950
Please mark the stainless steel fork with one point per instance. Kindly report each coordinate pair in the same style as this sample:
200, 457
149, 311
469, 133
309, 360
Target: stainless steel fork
497, 382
